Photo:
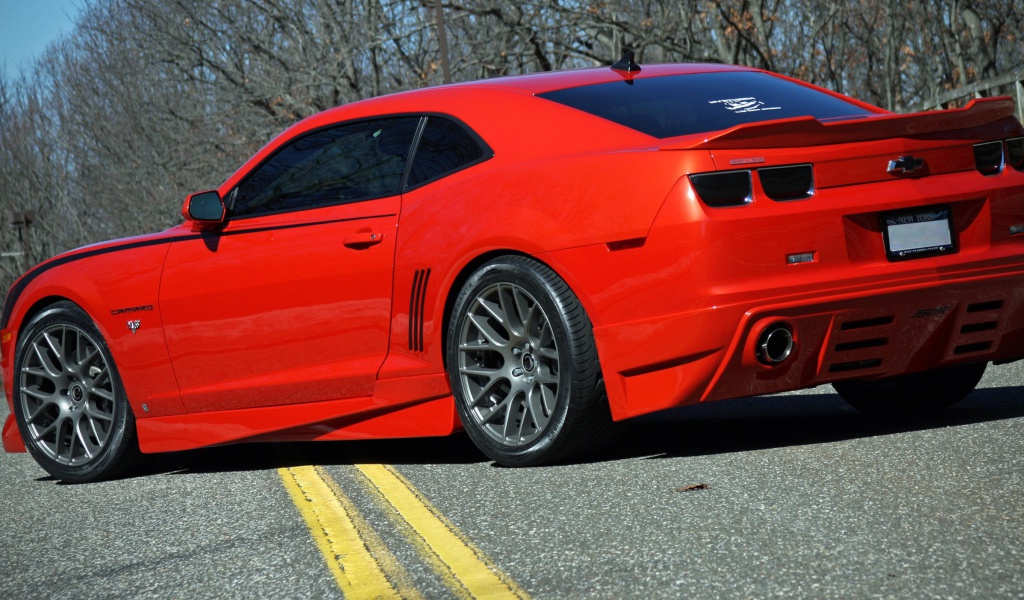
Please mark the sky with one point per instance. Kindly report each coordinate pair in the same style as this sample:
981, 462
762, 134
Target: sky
27, 26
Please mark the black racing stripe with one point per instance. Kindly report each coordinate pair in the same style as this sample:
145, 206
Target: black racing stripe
29, 276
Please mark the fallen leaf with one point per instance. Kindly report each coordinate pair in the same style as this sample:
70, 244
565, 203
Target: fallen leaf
694, 487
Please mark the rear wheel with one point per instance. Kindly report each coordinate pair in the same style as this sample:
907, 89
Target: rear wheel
68, 399
523, 365
914, 393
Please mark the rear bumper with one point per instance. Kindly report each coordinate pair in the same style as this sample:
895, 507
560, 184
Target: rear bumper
710, 354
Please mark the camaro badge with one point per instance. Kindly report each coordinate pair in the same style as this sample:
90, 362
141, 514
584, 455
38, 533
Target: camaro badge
133, 326
904, 165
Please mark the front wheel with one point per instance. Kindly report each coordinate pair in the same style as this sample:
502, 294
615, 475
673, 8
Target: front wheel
523, 365
68, 399
914, 393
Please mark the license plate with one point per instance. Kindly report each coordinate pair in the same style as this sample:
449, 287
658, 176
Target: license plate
918, 233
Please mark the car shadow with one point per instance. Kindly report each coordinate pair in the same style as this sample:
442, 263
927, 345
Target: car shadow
768, 422
742, 425
456, 449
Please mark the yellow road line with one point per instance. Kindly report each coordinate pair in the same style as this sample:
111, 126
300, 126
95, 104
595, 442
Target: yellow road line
467, 571
356, 556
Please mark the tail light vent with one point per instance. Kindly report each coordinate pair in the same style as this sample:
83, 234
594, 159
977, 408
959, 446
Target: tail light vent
862, 344
787, 183
865, 323
979, 327
855, 365
727, 188
969, 348
985, 306
988, 157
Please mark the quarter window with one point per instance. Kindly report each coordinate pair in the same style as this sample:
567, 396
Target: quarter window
444, 147
349, 163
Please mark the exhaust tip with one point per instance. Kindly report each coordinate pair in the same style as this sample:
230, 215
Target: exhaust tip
775, 344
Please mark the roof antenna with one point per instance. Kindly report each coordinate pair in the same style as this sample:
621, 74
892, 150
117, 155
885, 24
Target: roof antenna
626, 63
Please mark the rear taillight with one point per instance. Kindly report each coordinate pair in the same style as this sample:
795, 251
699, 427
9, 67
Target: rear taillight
728, 188
787, 183
988, 157
735, 188
1015, 153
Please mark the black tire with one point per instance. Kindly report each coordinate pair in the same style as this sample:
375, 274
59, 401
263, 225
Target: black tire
915, 393
523, 366
69, 403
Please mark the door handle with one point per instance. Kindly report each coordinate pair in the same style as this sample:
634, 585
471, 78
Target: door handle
363, 240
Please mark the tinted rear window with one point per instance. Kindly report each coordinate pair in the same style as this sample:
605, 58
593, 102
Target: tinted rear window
685, 104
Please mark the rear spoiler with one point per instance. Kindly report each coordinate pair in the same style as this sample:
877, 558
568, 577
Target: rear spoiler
808, 131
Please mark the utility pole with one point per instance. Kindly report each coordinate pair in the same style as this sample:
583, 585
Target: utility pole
442, 40
21, 220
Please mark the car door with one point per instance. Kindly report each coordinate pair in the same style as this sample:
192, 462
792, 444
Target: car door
290, 302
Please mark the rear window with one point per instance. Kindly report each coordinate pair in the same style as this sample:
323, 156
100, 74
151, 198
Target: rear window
684, 104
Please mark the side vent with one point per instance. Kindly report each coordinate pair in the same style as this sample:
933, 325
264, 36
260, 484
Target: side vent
787, 183
417, 299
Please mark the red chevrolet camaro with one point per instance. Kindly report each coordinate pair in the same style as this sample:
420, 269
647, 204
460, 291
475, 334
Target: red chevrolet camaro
530, 258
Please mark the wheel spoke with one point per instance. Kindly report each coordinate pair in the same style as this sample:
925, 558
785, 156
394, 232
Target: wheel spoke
44, 407
37, 373
69, 447
35, 393
89, 357
546, 352
487, 331
507, 297
526, 309
83, 434
537, 409
512, 431
487, 415
45, 431
547, 398
94, 413
102, 393
496, 312
485, 392
474, 346
52, 371
476, 371
544, 375
57, 350
544, 337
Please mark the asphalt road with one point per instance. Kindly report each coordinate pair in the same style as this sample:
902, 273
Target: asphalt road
794, 496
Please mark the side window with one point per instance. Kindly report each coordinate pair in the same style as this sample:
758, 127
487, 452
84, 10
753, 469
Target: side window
445, 146
348, 163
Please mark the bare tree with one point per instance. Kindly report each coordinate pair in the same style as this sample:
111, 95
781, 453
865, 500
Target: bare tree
147, 100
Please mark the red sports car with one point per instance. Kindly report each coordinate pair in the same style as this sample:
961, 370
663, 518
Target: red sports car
530, 258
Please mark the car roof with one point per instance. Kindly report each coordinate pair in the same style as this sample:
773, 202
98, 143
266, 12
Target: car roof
436, 98
538, 83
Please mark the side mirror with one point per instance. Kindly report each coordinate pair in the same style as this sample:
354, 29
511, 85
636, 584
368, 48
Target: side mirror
205, 210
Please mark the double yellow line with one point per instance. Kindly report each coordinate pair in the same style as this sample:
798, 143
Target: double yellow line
361, 563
